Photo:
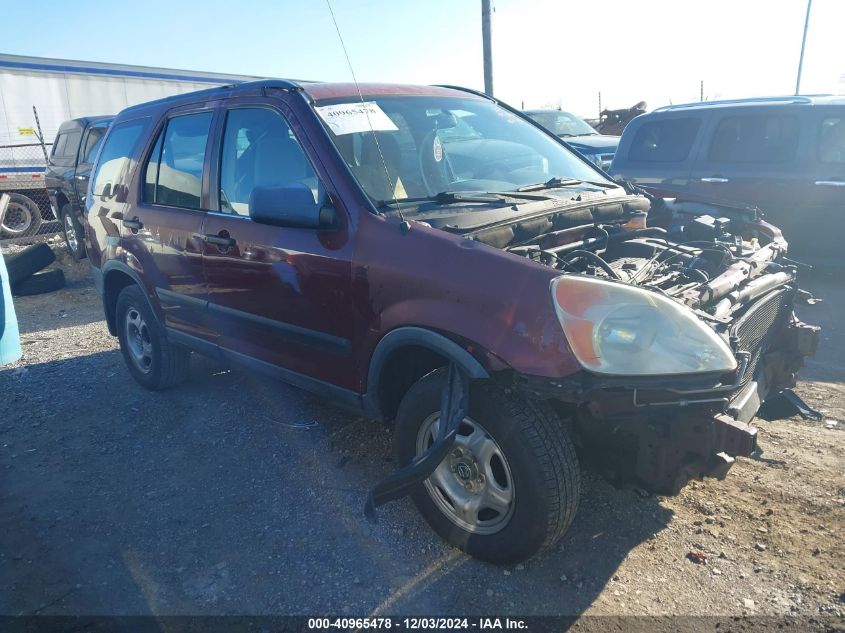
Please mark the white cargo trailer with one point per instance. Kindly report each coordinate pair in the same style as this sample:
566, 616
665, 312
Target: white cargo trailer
61, 89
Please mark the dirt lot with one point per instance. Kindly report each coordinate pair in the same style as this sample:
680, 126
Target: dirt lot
237, 495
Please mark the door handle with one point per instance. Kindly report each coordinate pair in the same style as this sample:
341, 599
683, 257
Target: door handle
831, 183
222, 239
714, 179
135, 224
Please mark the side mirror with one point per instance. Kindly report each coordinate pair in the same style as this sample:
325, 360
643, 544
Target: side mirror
290, 205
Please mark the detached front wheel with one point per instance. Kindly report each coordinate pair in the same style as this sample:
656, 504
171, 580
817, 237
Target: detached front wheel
510, 486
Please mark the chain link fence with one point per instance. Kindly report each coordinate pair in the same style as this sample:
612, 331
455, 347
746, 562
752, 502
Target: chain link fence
29, 217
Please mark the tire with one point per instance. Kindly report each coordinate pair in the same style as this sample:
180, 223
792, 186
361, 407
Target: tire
153, 361
74, 233
536, 463
40, 283
22, 218
28, 262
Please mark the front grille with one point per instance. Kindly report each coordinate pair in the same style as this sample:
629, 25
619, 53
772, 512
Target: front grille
755, 329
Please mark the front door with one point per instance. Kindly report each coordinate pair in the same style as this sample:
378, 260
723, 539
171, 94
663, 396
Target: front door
280, 296
87, 152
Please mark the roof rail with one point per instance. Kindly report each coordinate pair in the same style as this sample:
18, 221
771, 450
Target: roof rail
282, 84
471, 91
258, 84
750, 100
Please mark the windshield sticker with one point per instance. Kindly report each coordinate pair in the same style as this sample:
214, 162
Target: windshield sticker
438, 149
348, 118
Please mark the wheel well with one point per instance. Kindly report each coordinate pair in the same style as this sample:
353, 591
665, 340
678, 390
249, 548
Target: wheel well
114, 282
61, 201
402, 368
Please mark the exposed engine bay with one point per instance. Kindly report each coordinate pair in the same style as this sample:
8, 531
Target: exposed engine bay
729, 267
682, 251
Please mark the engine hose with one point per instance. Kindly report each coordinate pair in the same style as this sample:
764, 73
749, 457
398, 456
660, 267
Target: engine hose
596, 260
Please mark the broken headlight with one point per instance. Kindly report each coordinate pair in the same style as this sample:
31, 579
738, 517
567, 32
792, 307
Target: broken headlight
614, 328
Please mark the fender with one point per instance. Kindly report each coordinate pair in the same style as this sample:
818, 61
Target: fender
411, 335
100, 282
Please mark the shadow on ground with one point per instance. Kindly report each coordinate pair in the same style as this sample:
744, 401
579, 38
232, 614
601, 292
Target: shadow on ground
237, 495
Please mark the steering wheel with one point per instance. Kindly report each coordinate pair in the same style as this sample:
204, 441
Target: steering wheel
436, 173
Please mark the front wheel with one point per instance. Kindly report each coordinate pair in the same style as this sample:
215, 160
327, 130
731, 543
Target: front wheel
510, 486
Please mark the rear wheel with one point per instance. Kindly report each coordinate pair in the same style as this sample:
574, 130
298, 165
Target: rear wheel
510, 486
152, 360
74, 233
22, 218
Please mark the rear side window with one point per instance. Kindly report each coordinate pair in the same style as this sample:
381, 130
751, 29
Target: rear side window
755, 138
59, 145
173, 174
66, 144
666, 141
832, 140
114, 159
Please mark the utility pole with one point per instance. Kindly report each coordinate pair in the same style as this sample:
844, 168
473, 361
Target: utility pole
701, 91
487, 47
803, 43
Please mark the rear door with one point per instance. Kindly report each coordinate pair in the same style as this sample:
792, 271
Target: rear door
280, 296
751, 156
161, 228
657, 151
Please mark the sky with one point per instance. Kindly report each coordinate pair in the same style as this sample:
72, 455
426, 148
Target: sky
546, 53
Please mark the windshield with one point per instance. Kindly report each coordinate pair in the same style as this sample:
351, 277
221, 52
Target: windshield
432, 145
562, 123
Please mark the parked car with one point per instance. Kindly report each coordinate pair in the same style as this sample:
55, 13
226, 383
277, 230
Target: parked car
67, 173
431, 257
598, 148
785, 155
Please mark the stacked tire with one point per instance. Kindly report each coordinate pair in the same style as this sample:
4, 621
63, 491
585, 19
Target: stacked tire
24, 275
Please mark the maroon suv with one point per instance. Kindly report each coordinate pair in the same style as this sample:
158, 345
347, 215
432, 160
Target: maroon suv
430, 256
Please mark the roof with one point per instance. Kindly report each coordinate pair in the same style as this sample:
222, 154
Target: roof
315, 90
82, 122
759, 101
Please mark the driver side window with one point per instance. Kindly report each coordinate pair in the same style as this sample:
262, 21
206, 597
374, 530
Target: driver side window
259, 150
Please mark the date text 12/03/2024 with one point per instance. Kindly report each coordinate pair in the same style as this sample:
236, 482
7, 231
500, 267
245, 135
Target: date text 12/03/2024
355, 624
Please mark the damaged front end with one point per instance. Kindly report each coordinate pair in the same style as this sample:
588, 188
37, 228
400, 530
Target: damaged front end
684, 326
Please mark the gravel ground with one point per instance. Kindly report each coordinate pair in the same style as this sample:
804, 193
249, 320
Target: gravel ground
237, 495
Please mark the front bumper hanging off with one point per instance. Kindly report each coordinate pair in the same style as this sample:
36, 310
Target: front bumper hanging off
454, 406
662, 432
